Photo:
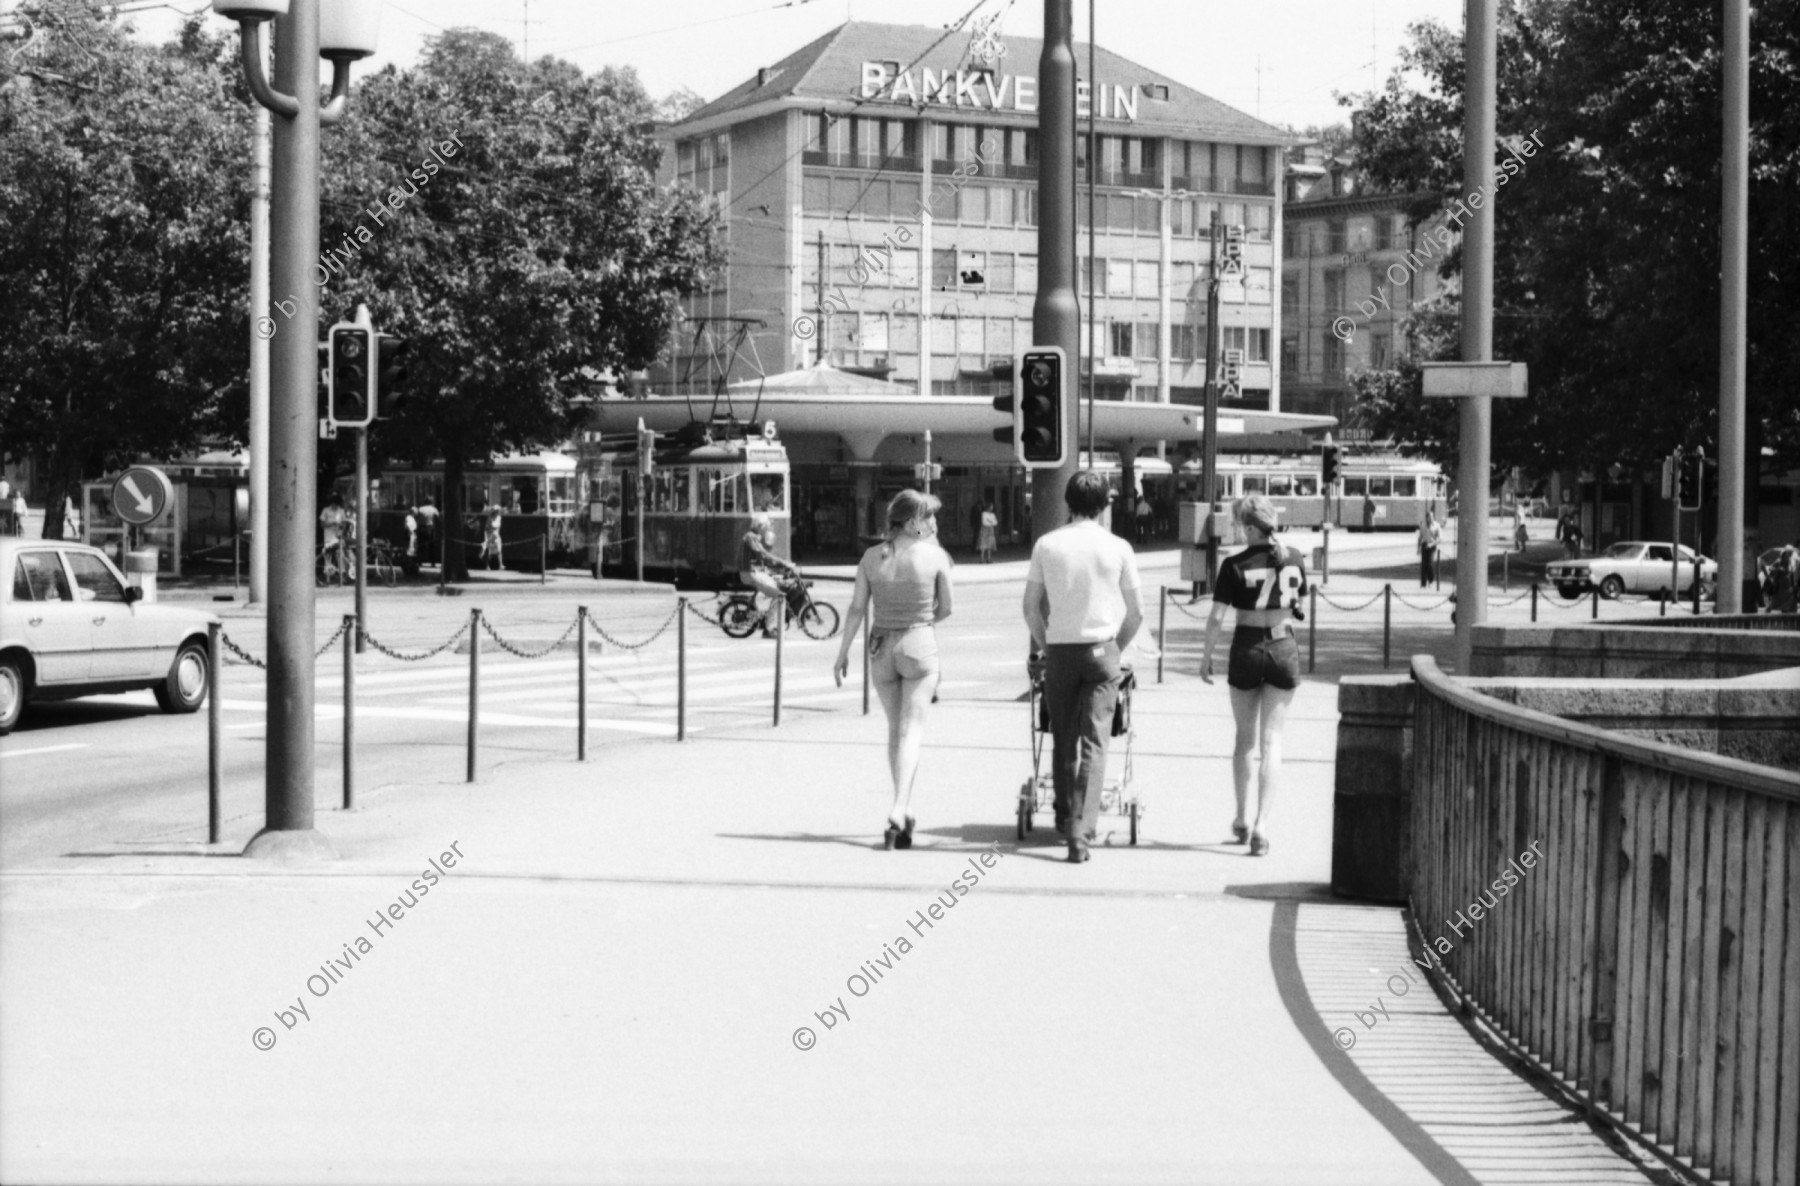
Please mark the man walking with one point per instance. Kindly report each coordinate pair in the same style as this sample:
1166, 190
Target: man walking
1081, 605
1429, 538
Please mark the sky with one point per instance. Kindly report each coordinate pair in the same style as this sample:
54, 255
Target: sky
1280, 60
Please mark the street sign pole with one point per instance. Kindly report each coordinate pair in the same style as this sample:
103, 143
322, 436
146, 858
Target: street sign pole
928, 461
362, 533
293, 446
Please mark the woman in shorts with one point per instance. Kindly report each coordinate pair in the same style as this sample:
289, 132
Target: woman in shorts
904, 583
1264, 584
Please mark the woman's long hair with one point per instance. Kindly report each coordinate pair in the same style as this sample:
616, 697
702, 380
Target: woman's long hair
1255, 510
906, 506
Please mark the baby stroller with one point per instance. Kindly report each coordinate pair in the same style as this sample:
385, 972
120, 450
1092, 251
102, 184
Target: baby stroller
1118, 798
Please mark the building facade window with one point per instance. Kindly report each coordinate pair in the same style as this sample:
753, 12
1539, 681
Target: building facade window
1146, 339
1119, 339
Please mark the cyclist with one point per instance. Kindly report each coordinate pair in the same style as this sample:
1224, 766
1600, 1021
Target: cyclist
762, 570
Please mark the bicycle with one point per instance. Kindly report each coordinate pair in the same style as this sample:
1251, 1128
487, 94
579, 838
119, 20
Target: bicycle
331, 564
384, 562
741, 615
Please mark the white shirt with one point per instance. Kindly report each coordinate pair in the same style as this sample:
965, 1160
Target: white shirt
1083, 567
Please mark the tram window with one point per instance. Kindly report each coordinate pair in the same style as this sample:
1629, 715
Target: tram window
1355, 485
1406, 487
1306, 486
562, 494
681, 485
1281, 485
475, 494
1381, 486
522, 496
768, 492
1256, 484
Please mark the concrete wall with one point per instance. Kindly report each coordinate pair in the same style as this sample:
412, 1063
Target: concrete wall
1371, 832
1753, 718
1631, 652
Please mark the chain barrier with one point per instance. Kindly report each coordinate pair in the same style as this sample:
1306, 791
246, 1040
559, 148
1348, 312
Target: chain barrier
718, 621
343, 628
1196, 616
516, 652
1349, 608
1435, 605
422, 655
638, 646
242, 655
1510, 600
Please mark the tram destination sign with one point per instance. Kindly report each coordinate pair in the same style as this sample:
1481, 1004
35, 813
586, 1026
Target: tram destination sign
1496, 380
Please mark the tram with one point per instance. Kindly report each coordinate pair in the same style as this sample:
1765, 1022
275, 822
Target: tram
698, 503
1380, 492
536, 492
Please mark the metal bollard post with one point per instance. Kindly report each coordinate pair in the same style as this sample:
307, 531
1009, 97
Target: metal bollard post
681, 613
581, 616
1312, 631
352, 631
1662, 604
780, 637
1387, 623
1162, 630
1697, 588
215, 734
1534, 601
1506, 572
474, 684
1596, 614
868, 615
543, 559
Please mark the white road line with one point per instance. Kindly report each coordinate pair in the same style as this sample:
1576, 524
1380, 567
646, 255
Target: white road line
42, 749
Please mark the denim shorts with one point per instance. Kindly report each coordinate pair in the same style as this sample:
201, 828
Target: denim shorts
896, 655
1264, 656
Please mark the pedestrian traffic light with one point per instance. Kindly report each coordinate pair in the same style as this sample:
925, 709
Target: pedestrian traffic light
1693, 465
390, 373
1038, 409
646, 443
350, 378
1328, 465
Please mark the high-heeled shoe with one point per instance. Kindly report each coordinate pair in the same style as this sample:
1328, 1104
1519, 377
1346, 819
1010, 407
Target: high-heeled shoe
1259, 845
905, 838
1239, 833
890, 839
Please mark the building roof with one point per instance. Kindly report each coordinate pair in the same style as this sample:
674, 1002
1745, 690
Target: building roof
827, 73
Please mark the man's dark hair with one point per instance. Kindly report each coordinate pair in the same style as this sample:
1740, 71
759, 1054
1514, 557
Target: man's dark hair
1086, 494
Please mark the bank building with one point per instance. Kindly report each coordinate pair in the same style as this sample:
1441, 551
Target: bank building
879, 190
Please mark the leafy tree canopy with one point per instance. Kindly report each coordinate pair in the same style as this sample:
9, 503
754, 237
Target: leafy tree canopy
1607, 240
123, 194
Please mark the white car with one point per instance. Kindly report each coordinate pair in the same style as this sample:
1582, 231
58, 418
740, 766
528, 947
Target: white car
1632, 566
71, 626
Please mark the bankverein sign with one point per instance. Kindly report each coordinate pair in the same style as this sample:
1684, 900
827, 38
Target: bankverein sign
985, 90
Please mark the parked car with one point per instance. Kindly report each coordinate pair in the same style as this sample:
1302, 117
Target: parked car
1632, 566
71, 626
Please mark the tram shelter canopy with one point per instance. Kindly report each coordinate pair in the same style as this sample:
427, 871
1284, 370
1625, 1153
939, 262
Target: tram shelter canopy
863, 412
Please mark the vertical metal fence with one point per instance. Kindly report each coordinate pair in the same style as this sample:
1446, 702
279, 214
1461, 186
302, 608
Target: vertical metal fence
1651, 960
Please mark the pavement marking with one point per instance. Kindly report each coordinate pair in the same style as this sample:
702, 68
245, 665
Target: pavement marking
42, 749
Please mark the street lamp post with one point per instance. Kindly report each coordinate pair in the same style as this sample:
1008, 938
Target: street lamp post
340, 31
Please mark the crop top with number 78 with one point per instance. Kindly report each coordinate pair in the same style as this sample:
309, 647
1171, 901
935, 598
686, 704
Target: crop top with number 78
1262, 577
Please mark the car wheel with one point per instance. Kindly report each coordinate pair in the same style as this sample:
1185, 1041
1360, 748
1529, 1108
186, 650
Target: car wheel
1612, 587
184, 689
12, 694
1569, 592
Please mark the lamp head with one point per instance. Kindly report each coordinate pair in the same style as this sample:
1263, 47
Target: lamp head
250, 10
348, 29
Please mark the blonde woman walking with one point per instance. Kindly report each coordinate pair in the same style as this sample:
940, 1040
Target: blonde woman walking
904, 583
1263, 584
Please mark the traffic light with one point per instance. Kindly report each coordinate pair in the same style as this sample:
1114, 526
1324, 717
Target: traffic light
1689, 479
390, 373
1002, 372
646, 443
350, 378
1329, 470
1038, 408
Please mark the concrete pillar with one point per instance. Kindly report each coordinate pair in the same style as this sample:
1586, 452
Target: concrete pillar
1371, 828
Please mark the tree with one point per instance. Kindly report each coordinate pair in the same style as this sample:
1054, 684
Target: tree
524, 238
1607, 238
678, 104
123, 195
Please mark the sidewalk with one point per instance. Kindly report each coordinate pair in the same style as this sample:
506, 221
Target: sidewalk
608, 976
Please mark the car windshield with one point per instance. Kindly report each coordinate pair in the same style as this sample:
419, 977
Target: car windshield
1622, 551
